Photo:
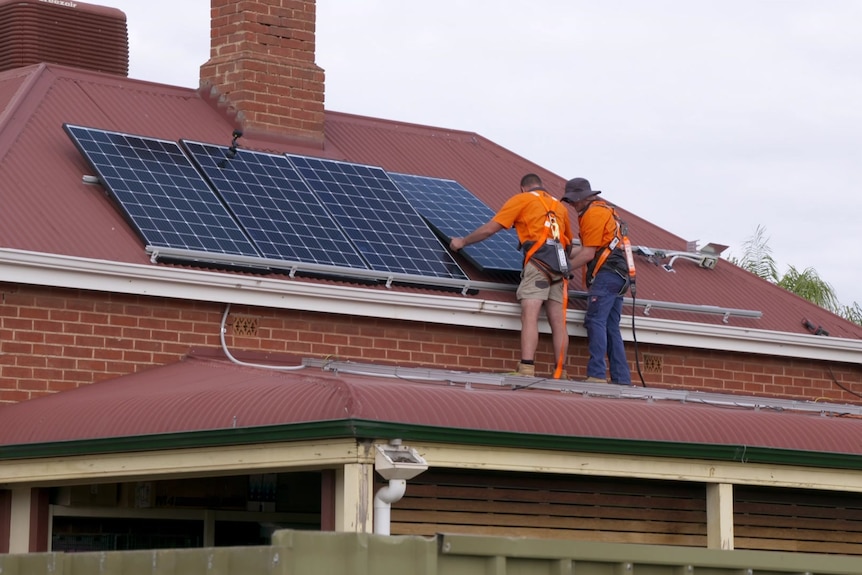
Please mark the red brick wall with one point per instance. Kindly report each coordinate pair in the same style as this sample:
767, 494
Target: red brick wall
747, 374
53, 339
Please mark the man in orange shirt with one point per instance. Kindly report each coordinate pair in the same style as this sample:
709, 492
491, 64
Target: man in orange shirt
545, 237
606, 278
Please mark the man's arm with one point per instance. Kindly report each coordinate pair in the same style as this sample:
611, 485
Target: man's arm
482, 232
580, 256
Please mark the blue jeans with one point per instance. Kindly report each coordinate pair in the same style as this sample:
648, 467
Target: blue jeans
602, 322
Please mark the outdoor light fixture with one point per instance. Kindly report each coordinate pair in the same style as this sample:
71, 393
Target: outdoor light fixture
396, 461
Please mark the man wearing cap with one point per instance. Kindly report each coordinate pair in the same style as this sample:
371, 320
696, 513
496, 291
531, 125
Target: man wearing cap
605, 276
545, 235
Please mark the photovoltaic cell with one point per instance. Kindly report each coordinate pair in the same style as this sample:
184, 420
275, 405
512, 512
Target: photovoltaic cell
377, 218
273, 203
453, 211
162, 194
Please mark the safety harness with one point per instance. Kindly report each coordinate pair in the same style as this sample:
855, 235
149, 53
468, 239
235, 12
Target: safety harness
603, 253
551, 230
621, 240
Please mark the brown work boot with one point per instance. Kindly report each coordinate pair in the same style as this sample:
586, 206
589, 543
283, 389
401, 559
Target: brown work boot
595, 380
526, 370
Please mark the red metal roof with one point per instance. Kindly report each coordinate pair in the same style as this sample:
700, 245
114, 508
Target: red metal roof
205, 393
47, 208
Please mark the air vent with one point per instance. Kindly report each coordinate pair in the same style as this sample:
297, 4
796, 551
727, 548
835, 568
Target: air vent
63, 32
245, 325
652, 363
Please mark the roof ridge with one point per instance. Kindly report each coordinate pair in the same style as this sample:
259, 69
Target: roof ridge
12, 118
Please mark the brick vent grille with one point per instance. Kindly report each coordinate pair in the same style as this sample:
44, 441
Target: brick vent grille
245, 325
652, 363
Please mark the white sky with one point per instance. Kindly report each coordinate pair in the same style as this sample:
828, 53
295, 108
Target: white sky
707, 118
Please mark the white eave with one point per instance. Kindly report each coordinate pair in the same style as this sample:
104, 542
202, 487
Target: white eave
34, 268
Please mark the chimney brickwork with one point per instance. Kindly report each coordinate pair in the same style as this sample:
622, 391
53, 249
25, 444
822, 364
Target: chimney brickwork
261, 68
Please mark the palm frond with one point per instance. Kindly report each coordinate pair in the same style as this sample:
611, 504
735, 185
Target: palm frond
757, 256
809, 285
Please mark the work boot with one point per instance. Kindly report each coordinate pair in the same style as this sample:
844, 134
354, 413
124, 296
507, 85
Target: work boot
595, 380
526, 370
563, 375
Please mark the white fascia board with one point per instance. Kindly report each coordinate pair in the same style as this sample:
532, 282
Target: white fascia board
34, 268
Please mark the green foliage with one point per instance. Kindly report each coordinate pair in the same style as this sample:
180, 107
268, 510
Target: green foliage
809, 285
757, 259
852, 313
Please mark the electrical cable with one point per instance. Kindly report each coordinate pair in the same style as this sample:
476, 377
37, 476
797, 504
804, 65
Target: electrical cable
836, 382
627, 248
818, 330
230, 356
635, 337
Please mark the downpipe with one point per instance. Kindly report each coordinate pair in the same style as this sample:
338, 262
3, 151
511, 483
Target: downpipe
383, 500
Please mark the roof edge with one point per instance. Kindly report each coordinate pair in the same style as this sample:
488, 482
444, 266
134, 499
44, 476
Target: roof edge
370, 429
52, 270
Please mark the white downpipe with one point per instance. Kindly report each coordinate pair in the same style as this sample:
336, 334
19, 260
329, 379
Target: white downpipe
383, 501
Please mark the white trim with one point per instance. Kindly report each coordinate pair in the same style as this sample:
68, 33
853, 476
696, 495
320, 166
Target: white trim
356, 461
521, 459
34, 268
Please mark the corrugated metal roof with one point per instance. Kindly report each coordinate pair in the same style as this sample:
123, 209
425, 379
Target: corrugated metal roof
205, 393
47, 208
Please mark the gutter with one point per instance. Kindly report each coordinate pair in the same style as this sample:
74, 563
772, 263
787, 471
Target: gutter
52, 270
363, 429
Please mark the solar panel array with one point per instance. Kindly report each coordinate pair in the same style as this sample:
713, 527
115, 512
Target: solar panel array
271, 201
288, 208
165, 198
452, 211
377, 218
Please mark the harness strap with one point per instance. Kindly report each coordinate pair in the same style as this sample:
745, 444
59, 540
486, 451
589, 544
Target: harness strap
554, 228
602, 256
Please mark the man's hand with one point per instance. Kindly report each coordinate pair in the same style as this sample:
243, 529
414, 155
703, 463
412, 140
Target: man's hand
482, 232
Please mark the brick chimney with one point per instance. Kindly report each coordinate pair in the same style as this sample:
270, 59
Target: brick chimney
63, 32
261, 68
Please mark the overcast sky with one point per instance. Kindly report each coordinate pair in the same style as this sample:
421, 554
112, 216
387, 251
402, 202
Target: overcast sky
708, 118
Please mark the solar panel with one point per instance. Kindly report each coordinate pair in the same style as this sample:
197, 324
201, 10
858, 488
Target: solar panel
162, 194
273, 203
377, 218
453, 211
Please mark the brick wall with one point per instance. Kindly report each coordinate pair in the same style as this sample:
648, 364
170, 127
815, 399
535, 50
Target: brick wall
53, 339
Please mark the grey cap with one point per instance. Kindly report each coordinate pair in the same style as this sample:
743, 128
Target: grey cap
578, 189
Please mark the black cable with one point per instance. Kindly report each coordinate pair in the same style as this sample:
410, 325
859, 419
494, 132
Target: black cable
818, 330
836, 382
635, 337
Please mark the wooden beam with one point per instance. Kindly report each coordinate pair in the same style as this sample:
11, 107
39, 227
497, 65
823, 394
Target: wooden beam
719, 516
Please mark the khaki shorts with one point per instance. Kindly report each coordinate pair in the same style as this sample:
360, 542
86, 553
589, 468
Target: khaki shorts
536, 285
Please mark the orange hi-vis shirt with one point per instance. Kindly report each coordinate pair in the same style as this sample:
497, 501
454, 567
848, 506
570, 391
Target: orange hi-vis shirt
528, 214
597, 227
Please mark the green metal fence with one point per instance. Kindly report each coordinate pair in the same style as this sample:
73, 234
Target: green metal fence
306, 552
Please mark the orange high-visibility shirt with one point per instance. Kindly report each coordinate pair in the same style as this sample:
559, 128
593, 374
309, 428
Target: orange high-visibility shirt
528, 214
597, 227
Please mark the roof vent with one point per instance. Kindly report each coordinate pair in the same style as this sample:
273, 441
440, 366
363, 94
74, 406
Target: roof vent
63, 32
